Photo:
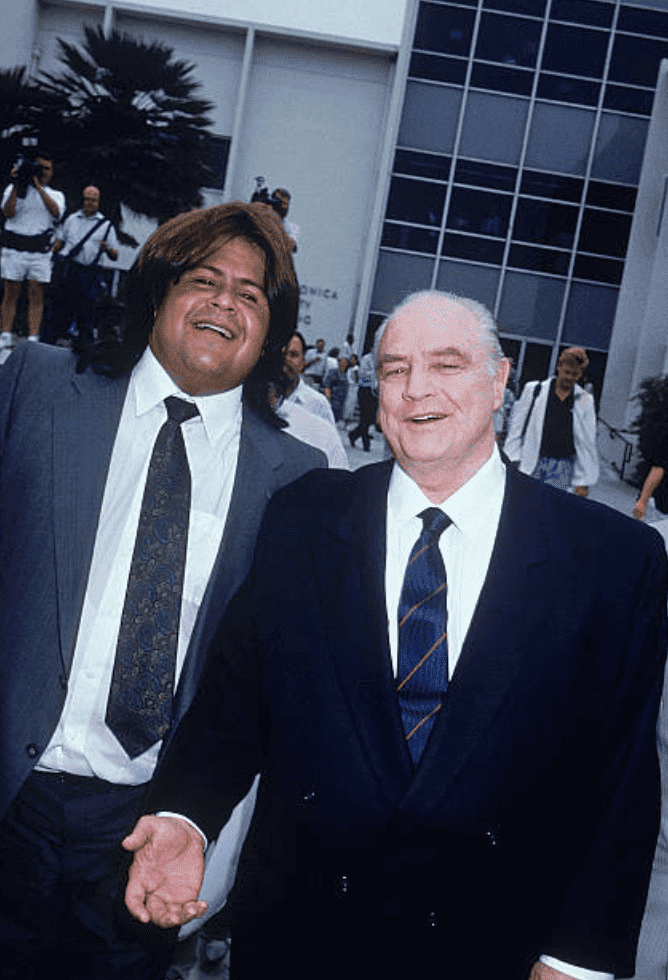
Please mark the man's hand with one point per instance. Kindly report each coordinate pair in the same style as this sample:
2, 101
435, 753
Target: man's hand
582, 491
543, 972
640, 509
167, 871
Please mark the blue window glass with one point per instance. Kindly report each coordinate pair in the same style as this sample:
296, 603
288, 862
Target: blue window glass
438, 68
531, 305
605, 233
480, 212
638, 100
485, 175
444, 28
640, 21
537, 184
409, 238
428, 165
539, 259
598, 269
583, 12
429, 118
416, 201
493, 127
558, 88
502, 79
590, 313
545, 222
534, 8
509, 40
560, 138
472, 247
469, 279
615, 197
575, 50
398, 275
635, 60
620, 145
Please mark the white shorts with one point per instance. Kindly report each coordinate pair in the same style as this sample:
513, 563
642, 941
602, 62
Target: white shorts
17, 266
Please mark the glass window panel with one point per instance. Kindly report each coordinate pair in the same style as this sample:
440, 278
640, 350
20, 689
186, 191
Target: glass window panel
614, 196
619, 148
500, 79
430, 116
536, 363
590, 314
637, 100
561, 89
416, 201
397, 276
635, 60
409, 238
485, 175
559, 139
602, 270
477, 282
493, 127
575, 50
510, 40
530, 305
444, 28
422, 164
479, 212
539, 259
545, 222
556, 186
605, 233
535, 8
436, 67
643, 21
474, 248
583, 12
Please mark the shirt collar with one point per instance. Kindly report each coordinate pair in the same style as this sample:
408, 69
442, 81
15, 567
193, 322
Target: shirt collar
150, 384
467, 508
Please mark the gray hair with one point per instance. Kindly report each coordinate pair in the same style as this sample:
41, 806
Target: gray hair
478, 310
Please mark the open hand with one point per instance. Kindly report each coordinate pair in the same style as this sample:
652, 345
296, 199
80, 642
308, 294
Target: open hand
166, 873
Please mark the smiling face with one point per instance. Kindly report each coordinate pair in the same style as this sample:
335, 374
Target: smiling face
209, 331
90, 200
438, 393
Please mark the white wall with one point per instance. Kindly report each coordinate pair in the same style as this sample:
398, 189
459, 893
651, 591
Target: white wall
368, 20
314, 124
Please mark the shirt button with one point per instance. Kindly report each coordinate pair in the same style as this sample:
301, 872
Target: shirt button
32, 750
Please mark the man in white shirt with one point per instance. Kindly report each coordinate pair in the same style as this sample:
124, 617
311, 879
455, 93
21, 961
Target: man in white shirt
134, 479
87, 237
448, 676
30, 215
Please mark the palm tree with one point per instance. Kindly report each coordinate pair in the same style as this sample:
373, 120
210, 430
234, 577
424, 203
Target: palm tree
122, 115
20, 103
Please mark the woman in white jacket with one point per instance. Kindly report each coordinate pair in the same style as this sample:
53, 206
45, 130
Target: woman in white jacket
552, 430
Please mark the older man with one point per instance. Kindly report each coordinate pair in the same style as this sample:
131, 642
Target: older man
459, 776
133, 483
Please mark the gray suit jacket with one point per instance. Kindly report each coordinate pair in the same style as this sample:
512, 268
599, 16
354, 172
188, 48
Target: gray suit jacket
57, 430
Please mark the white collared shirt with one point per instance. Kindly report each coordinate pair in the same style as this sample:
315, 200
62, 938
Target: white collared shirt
313, 401
81, 743
466, 546
77, 227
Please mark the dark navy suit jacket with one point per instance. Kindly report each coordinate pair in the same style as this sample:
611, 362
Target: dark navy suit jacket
530, 822
57, 430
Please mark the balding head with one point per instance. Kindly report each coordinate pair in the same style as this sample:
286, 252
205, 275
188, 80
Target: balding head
90, 198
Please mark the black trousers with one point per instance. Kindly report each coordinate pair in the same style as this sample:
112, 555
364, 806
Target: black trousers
63, 875
368, 404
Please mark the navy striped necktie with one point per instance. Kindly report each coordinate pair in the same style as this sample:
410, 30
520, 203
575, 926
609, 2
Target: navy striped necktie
423, 646
139, 708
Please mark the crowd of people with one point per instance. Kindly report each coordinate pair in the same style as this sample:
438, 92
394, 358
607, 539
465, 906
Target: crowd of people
445, 670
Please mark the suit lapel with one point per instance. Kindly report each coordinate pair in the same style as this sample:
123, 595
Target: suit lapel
256, 479
501, 638
354, 614
85, 421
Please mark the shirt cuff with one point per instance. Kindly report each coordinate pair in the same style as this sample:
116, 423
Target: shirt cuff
575, 971
179, 816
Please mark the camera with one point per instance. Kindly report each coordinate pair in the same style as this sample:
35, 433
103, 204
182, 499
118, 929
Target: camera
261, 195
28, 168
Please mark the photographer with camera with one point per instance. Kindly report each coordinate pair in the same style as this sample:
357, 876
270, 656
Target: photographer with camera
31, 209
279, 200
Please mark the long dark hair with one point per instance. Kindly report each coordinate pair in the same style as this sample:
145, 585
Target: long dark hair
651, 424
183, 243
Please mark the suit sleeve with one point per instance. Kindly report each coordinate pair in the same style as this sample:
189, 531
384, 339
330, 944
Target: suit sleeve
597, 919
219, 746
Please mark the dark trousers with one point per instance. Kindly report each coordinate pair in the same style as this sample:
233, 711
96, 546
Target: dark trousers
63, 874
368, 405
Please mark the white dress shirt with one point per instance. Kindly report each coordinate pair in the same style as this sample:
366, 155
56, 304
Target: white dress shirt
82, 744
313, 401
77, 226
314, 431
466, 546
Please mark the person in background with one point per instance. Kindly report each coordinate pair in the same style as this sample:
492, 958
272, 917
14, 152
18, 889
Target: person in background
367, 401
316, 363
552, 428
651, 426
297, 391
30, 213
335, 387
